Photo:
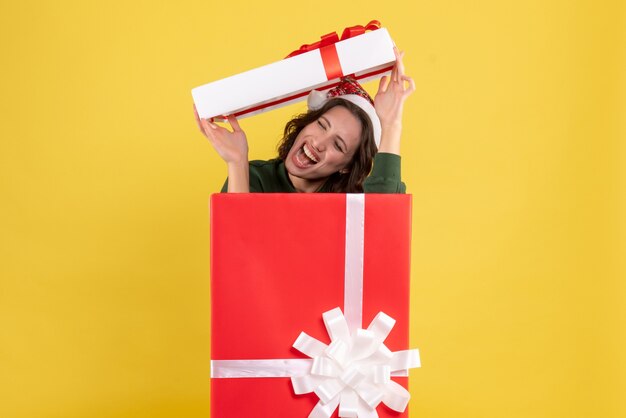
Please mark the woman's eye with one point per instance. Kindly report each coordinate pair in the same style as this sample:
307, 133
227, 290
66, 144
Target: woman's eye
321, 125
338, 146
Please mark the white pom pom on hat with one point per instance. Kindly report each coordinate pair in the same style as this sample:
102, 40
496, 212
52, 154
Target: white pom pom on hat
317, 99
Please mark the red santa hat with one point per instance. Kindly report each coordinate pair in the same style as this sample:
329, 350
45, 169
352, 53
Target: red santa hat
348, 89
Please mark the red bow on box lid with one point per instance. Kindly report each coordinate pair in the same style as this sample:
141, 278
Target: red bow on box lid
327, 48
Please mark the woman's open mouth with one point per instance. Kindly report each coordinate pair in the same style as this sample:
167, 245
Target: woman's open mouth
305, 157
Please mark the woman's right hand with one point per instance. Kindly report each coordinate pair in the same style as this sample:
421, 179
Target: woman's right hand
231, 146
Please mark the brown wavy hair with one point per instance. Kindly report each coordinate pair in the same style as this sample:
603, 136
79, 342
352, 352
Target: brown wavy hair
361, 164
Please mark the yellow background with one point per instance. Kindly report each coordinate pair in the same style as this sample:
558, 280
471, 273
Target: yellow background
513, 150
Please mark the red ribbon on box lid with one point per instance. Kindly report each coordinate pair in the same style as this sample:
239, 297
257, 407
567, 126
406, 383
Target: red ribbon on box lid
328, 50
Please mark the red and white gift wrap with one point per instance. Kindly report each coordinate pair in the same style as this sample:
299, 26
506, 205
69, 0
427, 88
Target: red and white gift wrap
363, 51
278, 261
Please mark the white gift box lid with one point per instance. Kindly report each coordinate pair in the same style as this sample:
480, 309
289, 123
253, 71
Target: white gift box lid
290, 80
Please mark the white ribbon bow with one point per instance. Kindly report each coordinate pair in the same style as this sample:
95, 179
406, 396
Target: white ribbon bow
353, 372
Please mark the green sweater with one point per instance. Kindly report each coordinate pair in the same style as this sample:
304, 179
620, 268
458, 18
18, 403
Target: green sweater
271, 176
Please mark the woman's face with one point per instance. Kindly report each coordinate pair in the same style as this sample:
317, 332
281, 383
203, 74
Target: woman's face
323, 147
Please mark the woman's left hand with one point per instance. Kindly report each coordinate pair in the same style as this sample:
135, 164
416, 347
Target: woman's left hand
389, 103
392, 92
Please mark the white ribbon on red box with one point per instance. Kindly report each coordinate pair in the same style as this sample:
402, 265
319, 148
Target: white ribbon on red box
353, 371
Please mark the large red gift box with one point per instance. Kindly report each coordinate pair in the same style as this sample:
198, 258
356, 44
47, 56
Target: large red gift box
278, 261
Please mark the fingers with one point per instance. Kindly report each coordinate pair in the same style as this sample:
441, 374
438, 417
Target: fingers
232, 120
382, 86
398, 68
203, 126
400, 77
400, 65
206, 125
208, 129
195, 113
394, 74
411, 87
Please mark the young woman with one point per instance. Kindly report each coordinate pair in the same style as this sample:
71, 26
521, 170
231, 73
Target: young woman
331, 147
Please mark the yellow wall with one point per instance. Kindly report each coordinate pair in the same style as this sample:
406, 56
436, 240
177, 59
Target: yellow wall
512, 150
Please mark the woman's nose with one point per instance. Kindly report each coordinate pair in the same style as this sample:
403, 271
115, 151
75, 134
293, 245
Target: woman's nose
319, 143
322, 141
